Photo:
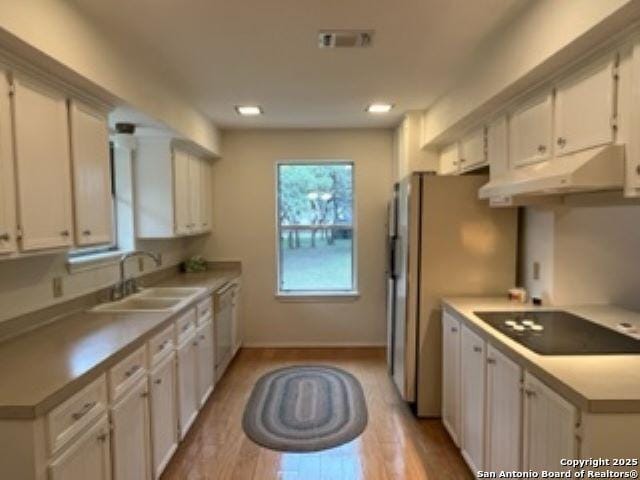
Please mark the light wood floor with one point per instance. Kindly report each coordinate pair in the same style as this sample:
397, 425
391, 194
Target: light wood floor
394, 446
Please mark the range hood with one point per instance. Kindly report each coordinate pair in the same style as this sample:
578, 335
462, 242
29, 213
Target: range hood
599, 168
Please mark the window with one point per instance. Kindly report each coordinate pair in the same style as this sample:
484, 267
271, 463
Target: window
316, 235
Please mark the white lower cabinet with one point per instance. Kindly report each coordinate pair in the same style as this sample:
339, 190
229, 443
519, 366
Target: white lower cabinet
504, 413
206, 359
472, 379
451, 376
89, 457
164, 413
130, 437
187, 383
549, 427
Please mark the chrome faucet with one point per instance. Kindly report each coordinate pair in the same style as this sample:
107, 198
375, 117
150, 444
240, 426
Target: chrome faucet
126, 287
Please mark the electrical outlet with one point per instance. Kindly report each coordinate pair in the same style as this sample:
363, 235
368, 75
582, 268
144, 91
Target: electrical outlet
536, 270
57, 287
140, 264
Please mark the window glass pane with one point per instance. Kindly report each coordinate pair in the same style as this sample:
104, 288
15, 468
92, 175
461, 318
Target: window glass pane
316, 236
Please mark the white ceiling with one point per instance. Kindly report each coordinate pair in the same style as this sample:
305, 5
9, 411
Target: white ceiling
228, 52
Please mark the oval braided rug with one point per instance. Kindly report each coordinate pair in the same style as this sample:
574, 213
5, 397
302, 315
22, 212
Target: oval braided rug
305, 409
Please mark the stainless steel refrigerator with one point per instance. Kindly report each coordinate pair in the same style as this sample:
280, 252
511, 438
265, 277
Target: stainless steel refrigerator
443, 241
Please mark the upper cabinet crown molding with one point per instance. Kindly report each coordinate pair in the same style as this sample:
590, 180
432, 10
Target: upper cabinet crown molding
43, 165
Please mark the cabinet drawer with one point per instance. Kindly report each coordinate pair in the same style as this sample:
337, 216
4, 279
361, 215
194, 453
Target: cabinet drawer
186, 325
126, 373
74, 414
161, 345
205, 308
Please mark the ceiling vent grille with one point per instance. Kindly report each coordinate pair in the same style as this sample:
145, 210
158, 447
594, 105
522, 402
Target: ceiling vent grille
345, 38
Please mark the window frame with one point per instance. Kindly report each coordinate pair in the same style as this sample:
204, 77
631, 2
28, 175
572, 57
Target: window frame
317, 295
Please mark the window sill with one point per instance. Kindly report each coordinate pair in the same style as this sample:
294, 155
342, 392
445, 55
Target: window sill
94, 261
318, 297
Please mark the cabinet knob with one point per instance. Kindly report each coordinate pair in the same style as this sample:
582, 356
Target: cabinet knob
454, 329
64, 233
542, 148
5, 237
86, 233
144, 394
202, 337
529, 393
195, 344
157, 381
491, 361
102, 437
561, 142
638, 169
477, 349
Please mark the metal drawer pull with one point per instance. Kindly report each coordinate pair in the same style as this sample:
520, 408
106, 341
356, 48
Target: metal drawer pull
64, 233
132, 370
5, 237
86, 408
491, 361
163, 345
454, 329
144, 394
102, 437
202, 337
542, 148
157, 381
86, 233
476, 348
529, 393
195, 344
561, 142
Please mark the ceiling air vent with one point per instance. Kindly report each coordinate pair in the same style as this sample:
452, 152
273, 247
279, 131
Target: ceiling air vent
345, 38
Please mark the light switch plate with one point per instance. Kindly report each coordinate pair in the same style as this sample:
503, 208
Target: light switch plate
57, 287
536, 270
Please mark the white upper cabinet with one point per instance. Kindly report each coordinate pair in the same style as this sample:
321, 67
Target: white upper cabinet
449, 160
473, 150
171, 186
498, 146
7, 188
93, 202
549, 427
531, 131
42, 158
584, 108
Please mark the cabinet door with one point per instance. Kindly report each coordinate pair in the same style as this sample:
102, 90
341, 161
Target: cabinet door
549, 427
206, 361
530, 131
181, 197
498, 147
164, 421
472, 150
451, 376
472, 380
195, 195
130, 438
585, 108
43, 166
205, 195
504, 413
236, 332
93, 201
449, 160
187, 384
7, 179
88, 457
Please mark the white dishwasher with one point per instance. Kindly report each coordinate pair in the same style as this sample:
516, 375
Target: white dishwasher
223, 307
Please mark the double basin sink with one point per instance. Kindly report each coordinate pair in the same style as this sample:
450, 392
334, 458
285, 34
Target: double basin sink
160, 299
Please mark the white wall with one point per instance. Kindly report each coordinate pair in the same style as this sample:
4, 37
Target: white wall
542, 38
588, 254
55, 36
244, 229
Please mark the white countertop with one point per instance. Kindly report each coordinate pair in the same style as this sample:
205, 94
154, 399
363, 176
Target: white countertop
594, 383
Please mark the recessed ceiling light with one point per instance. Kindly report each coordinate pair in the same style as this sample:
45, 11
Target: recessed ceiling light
248, 110
379, 108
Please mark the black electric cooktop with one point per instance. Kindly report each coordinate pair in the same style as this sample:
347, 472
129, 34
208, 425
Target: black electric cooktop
560, 333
